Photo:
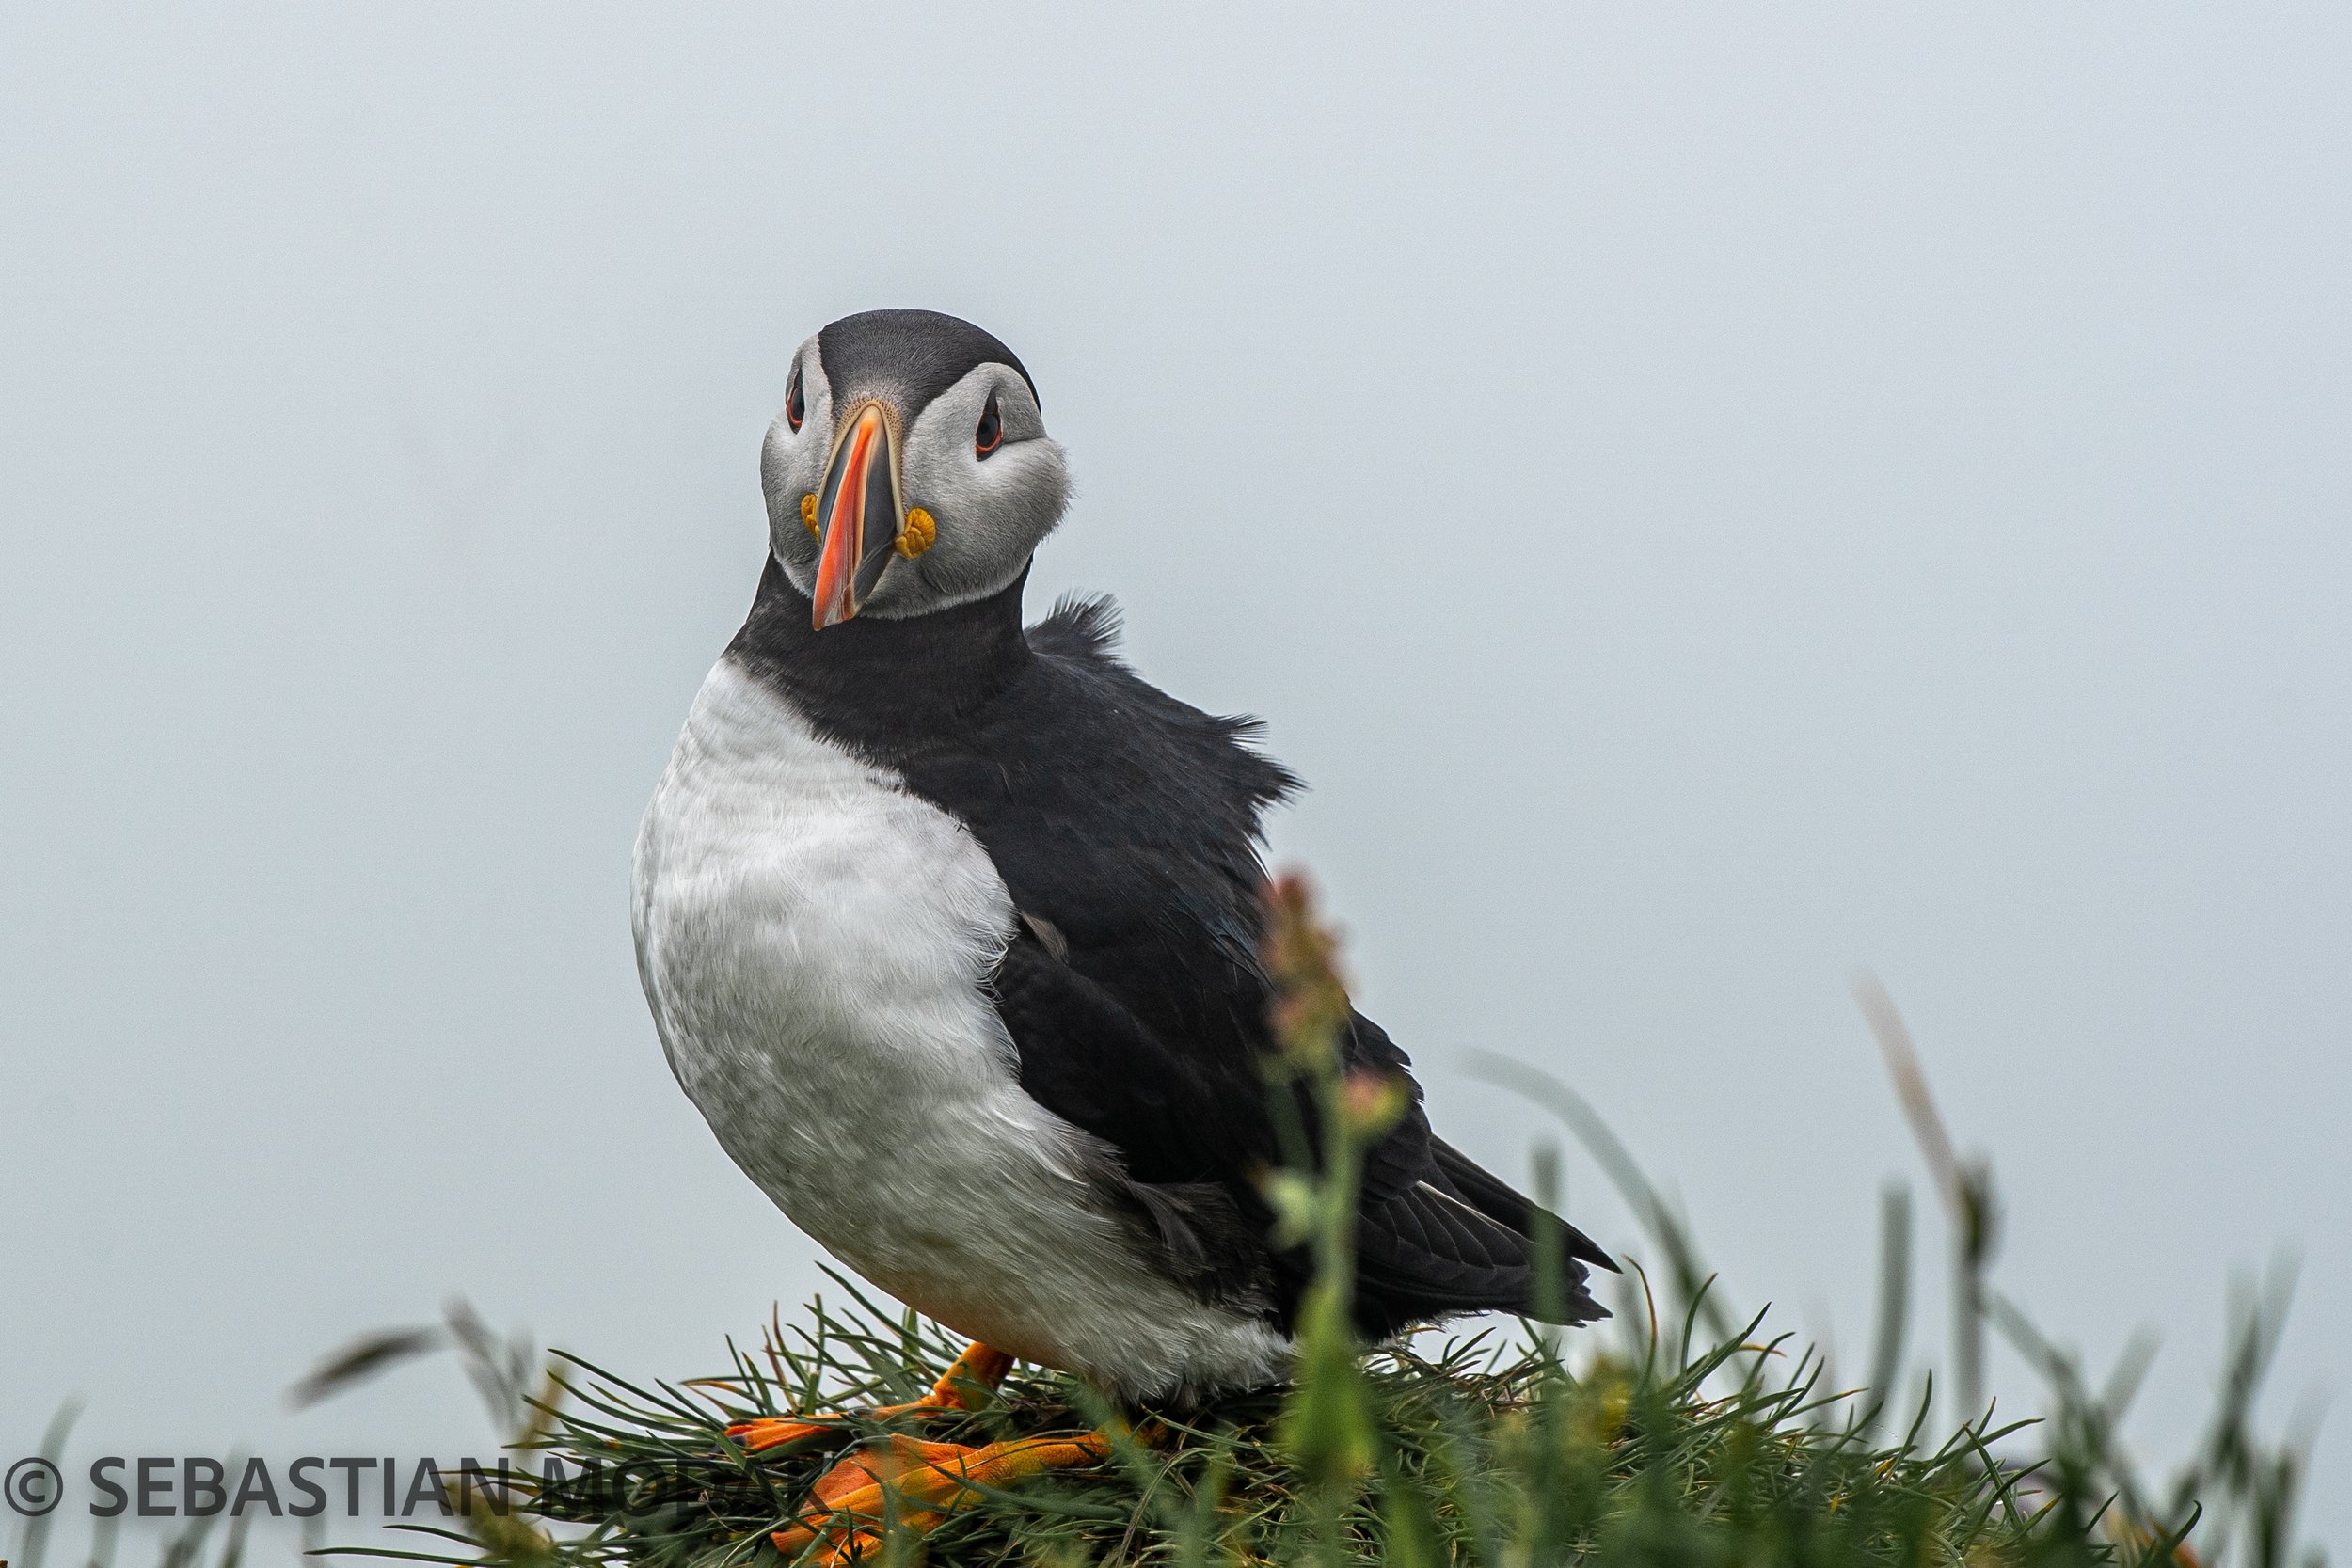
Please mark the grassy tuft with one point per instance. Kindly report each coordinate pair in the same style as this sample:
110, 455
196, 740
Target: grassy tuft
1675, 1433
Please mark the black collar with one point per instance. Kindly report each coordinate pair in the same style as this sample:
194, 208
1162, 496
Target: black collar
883, 686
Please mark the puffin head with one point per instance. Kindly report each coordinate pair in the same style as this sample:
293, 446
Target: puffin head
910, 469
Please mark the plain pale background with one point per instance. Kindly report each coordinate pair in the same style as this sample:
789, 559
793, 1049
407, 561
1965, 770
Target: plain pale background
1709, 500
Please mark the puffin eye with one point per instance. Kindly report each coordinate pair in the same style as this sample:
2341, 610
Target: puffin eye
795, 405
992, 431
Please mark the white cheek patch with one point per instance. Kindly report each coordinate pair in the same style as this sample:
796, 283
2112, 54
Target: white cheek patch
990, 512
792, 467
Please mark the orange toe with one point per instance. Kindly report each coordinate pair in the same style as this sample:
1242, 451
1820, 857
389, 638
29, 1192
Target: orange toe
774, 1433
927, 1481
965, 1386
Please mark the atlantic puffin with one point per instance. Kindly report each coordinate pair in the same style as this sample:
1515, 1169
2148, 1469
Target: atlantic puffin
951, 930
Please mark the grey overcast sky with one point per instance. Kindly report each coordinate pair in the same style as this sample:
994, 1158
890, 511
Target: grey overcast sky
1710, 497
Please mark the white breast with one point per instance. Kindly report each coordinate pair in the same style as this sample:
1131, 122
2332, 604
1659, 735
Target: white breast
813, 939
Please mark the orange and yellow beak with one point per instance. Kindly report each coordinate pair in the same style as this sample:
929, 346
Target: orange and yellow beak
859, 516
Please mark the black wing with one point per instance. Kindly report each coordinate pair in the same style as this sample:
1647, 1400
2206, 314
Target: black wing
1125, 825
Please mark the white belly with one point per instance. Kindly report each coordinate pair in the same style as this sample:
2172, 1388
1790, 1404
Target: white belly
813, 941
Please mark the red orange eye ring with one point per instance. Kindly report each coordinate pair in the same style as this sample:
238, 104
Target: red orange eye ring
795, 402
991, 433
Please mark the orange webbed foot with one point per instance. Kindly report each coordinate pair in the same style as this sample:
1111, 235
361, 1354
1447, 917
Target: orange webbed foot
965, 1386
919, 1484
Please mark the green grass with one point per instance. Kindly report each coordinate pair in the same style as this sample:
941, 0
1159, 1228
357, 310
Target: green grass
1672, 1434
